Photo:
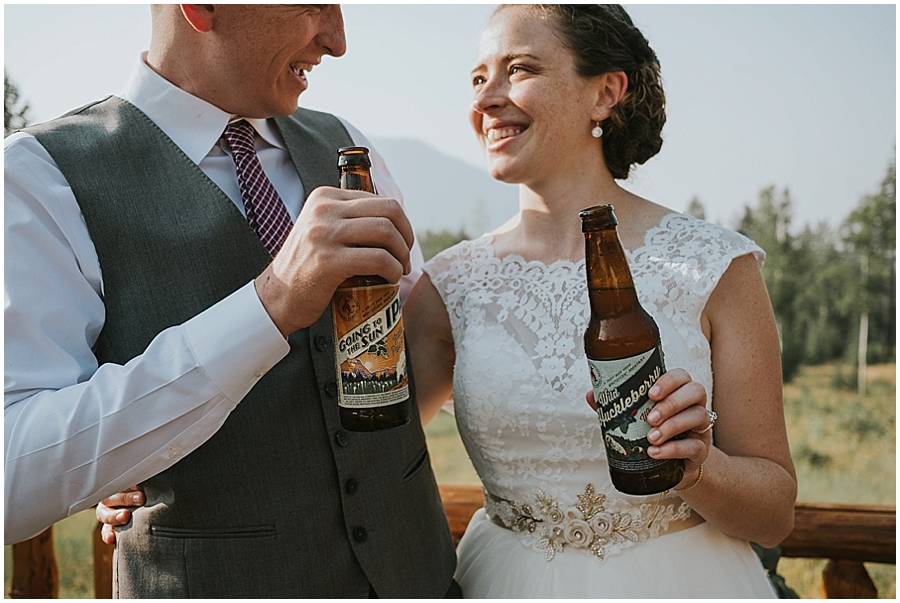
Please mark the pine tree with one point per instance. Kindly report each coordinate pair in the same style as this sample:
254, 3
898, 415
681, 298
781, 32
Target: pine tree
15, 111
869, 235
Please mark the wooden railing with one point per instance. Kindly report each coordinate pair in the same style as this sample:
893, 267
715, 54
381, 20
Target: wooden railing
846, 535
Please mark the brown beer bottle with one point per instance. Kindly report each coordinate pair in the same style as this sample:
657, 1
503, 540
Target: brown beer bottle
625, 358
369, 342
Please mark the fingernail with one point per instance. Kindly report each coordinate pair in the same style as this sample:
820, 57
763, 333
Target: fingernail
136, 498
120, 516
653, 450
653, 435
653, 417
654, 391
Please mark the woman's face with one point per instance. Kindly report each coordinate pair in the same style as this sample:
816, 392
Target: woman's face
531, 112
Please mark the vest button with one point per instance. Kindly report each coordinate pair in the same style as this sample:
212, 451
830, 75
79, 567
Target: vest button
321, 343
360, 534
331, 389
351, 486
342, 438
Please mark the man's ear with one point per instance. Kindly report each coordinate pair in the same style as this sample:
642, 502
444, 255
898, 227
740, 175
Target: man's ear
200, 16
611, 88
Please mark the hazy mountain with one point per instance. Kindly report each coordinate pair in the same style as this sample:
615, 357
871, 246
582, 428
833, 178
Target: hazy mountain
443, 193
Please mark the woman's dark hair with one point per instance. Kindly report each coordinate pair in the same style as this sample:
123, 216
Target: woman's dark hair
602, 38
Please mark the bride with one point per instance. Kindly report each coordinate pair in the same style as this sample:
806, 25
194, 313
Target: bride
566, 100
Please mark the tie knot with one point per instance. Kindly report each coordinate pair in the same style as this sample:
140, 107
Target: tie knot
239, 137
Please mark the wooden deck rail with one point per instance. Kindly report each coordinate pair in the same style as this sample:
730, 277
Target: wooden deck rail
846, 535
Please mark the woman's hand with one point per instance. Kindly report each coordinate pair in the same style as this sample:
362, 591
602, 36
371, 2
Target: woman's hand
749, 486
114, 511
680, 409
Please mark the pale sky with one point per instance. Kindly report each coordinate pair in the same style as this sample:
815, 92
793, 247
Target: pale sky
796, 96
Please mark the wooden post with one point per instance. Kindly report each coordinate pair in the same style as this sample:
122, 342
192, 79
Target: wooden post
460, 502
34, 568
845, 579
103, 554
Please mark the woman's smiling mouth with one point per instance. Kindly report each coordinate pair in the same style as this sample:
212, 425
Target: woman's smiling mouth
501, 133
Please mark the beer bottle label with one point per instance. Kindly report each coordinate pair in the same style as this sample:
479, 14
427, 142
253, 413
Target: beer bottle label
370, 350
620, 389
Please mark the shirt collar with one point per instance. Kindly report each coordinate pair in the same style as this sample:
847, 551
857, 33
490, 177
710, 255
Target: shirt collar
192, 123
265, 130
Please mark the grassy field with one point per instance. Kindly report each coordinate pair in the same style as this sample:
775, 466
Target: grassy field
844, 448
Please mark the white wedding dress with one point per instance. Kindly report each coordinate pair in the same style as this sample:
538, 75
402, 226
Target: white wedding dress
559, 528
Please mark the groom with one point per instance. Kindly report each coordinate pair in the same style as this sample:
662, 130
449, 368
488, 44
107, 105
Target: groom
279, 501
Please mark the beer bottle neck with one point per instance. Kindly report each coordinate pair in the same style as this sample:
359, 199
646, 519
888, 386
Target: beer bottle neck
607, 270
357, 178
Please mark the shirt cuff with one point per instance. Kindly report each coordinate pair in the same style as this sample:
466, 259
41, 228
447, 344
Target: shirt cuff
236, 342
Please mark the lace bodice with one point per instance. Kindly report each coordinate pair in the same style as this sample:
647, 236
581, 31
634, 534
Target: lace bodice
521, 376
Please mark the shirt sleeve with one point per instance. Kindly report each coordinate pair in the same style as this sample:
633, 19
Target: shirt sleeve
75, 432
387, 186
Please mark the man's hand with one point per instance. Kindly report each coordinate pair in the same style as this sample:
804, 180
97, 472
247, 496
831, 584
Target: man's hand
113, 511
338, 234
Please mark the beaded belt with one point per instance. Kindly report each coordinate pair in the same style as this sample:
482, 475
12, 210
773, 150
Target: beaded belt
595, 523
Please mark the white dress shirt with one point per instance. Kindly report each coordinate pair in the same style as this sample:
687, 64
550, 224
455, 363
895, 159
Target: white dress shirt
76, 433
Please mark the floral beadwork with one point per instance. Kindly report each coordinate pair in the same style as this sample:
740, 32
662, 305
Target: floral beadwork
593, 523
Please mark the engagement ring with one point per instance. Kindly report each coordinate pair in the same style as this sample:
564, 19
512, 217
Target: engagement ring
712, 421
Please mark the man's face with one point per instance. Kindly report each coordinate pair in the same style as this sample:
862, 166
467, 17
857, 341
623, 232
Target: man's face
265, 51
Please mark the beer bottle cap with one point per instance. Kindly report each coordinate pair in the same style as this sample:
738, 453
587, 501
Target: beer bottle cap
599, 217
354, 156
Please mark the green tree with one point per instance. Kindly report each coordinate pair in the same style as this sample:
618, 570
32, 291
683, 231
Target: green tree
435, 242
822, 321
827, 286
869, 236
783, 271
15, 110
696, 209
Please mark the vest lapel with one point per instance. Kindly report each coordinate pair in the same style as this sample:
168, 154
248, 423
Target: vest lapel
304, 146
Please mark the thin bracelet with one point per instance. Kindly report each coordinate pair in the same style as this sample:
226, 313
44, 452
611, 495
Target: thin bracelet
696, 481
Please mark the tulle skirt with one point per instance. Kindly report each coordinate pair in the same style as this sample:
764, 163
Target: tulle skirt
699, 562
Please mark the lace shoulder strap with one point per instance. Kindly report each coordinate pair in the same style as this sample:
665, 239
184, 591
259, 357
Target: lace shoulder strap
451, 269
711, 247
680, 264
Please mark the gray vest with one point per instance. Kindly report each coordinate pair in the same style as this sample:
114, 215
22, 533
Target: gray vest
280, 502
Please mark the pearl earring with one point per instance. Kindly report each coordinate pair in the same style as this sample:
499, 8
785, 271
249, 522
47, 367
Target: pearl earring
597, 132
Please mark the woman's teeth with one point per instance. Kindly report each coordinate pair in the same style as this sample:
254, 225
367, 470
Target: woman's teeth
501, 133
301, 70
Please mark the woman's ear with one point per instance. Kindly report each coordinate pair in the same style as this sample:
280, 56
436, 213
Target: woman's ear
611, 88
200, 16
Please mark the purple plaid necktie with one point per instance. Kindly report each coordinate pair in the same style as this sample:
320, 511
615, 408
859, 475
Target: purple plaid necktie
265, 210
